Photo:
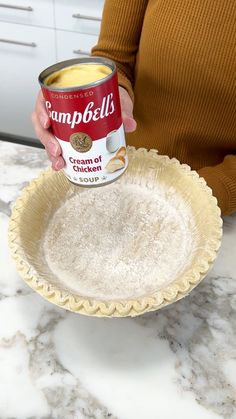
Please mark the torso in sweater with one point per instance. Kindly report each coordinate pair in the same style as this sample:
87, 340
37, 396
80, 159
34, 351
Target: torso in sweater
185, 80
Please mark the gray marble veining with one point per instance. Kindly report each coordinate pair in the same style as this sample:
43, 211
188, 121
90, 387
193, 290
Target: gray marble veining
178, 362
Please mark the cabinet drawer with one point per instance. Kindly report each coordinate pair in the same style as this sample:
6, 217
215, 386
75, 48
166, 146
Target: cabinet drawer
28, 51
79, 15
27, 12
72, 45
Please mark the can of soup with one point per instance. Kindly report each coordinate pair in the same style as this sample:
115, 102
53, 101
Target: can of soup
82, 101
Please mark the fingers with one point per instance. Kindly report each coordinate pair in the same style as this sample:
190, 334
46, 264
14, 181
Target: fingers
41, 112
57, 162
41, 123
130, 124
46, 137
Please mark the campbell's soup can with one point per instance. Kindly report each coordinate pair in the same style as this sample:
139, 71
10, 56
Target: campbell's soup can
82, 101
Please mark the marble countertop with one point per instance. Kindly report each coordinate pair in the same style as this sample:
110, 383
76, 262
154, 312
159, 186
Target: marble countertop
179, 362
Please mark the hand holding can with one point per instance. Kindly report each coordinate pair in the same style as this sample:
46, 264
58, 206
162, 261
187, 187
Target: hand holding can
83, 115
41, 123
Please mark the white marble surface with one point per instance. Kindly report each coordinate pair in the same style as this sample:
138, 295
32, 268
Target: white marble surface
179, 362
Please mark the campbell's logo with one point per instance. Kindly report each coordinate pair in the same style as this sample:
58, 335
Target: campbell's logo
90, 112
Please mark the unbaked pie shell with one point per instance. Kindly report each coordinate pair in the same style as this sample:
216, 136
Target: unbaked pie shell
43, 196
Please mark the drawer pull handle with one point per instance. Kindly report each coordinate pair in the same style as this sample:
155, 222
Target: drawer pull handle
81, 52
11, 6
24, 44
85, 17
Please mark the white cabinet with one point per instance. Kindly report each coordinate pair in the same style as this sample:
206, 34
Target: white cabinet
33, 35
27, 12
28, 51
79, 15
73, 44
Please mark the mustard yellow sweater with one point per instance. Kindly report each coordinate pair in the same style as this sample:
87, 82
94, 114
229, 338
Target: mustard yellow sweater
177, 59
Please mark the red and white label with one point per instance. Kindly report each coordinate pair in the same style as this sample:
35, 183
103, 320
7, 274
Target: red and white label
92, 115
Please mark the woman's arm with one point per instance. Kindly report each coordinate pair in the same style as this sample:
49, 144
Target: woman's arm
122, 23
222, 180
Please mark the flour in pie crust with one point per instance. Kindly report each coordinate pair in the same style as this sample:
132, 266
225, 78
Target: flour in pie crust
119, 241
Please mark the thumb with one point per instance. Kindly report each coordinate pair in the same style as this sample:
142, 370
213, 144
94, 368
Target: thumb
127, 110
129, 123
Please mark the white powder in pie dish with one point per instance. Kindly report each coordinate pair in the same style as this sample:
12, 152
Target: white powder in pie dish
119, 241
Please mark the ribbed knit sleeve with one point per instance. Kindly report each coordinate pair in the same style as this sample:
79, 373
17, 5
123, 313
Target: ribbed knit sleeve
222, 180
119, 37
177, 58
